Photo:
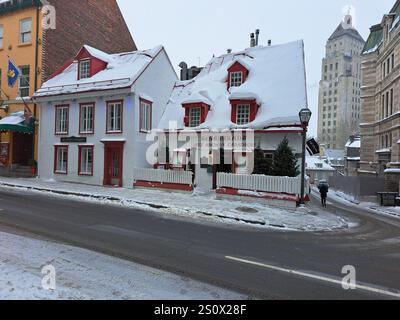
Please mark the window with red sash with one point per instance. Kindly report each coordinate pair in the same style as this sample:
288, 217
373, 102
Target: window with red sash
237, 75
244, 111
195, 114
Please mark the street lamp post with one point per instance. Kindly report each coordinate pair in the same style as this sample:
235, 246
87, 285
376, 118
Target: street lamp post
305, 116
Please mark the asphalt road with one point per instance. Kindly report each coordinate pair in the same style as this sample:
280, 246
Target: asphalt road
261, 263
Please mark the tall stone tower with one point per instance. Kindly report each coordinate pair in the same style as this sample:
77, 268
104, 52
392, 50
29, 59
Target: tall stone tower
339, 104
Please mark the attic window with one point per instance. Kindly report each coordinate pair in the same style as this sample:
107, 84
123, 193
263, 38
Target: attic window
237, 75
84, 69
244, 111
236, 79
195, 114
243, 114
194, 117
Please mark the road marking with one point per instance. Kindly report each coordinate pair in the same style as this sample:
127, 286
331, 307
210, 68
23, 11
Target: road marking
313, 276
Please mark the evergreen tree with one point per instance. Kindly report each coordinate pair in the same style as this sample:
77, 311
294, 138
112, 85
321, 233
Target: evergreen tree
285, 161
262, 164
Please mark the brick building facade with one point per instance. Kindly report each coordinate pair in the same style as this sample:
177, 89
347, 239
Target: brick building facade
380, 127
38, 52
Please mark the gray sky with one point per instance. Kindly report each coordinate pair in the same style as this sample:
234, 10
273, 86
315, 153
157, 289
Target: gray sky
194, 30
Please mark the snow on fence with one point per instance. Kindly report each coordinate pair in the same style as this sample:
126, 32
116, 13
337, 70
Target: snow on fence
163, 176
261, 183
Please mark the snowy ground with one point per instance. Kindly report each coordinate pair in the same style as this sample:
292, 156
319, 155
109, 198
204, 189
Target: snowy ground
85, 275
199, 206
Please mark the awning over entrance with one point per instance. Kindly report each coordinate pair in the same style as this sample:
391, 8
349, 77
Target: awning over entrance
16, 123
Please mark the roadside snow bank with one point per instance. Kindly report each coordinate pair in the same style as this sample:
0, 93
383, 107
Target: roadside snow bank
86, 275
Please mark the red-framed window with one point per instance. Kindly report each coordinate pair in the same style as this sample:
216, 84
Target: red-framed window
61, 159
86, 118
61, 120
86, 160
243, 111
88, 65
84, 68
237, 75
114, 117
195, 114
146, 115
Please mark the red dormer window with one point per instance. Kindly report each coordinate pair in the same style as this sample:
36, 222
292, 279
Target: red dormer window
84, 69
237, 75
88, 65
244, 111
195, 114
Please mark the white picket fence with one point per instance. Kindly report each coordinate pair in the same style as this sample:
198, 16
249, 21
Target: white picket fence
163, 176
261, 183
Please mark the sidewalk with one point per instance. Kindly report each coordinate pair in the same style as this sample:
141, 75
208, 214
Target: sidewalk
195, 206
371, 207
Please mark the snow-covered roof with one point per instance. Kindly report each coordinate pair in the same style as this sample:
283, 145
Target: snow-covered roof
122, 71
354, 143
317, 163
276, 80
334, 155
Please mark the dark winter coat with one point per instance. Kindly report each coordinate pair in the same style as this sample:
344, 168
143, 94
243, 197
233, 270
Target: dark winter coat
323, 190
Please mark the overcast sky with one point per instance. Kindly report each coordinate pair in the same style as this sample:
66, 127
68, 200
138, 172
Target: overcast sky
194, 30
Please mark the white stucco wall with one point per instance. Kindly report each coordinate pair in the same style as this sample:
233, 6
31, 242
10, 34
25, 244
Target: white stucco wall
157, 82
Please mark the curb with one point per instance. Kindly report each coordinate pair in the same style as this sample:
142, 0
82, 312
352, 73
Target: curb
153, 206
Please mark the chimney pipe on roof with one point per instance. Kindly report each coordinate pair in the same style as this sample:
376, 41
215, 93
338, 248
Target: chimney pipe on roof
252, 40
269, 43
257, 36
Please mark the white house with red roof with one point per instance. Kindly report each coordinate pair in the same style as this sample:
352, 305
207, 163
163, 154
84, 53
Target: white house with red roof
96, 112
249, 99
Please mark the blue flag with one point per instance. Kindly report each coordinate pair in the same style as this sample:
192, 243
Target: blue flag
12, 74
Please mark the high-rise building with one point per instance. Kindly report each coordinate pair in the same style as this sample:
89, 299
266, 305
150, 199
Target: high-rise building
339, 95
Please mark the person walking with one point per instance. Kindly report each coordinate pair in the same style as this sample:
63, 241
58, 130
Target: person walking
323, 190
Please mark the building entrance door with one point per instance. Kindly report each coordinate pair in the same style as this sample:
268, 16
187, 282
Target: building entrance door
113, 164
22, 148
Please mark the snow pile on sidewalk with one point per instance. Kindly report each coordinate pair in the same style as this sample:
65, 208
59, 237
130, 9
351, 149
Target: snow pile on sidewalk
86, 275
196, 205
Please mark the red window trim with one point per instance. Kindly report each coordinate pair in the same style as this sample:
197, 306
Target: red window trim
205, 108
237, 67
79, 67
55, 159
55, 120
80, 147
122, 116
230, 77
253, 109
141, 100
80, 118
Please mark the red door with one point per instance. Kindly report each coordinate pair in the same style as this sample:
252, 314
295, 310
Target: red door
113, 164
